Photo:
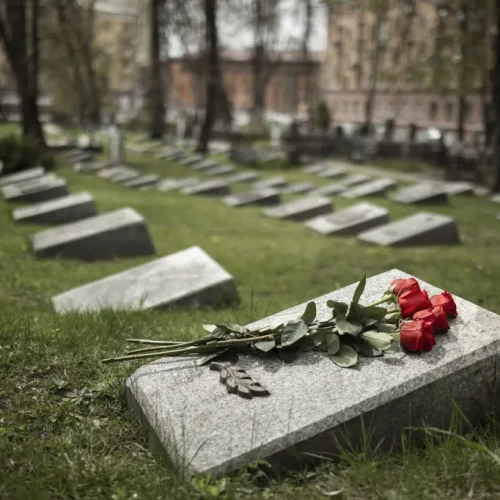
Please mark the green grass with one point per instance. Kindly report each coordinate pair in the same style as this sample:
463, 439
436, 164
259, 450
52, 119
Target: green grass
65, 431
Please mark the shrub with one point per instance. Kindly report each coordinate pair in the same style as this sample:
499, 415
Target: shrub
322, 117
18, 154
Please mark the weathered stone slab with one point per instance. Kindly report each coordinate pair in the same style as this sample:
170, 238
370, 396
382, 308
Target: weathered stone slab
354, 180
266, 196
299, 210
305, 413
298, 188
136, 149
82, 158
331, 189
191, 160
496, 198
371, 188
43, 188
59, 211
271, 182
333, 172
142, 181
422, 193
109, 173
187, 278
219, 170
90, 167
122, 233
208, 188
172, 155
245, 176
459, 188
125, 176
205, 164
350, 221
314, 169
116, 153
422, 228
177, 184
22, 176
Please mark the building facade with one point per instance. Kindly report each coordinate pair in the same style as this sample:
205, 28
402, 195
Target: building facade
411, 58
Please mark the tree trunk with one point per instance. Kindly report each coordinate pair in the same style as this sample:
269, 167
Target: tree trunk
157, 103
305, 49
496, 104
372, 91
210, 7
462, 110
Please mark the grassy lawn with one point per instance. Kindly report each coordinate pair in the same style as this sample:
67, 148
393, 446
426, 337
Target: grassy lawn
65, 431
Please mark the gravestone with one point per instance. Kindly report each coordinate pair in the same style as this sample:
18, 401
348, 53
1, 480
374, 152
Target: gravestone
496, 198
89, 167
331, 189
354, 180
177, 184
299, 188
187, 278
191, 160
109, 173
299, 210
219, 170
266, 196
314, 406
116, 154
314, 169
82, 158
350, 221
422, 193
142, 181
59, 211
333, 172
245, 176
459, 188
419, 229
205, 164
43, 188
125, 176
371, 188
122, 233
22, 176
136, 149
208, 188
271, 182
173, 156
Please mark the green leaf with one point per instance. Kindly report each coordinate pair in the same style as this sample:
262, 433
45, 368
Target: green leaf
209, 328
369, 351
350, 327
231, 327
345, 357
287, 354
338, 307
378, 340
359, 290
266, 345
332, 343
205, 359
310, 313
384, 327
356, 312
370, 321
317, 336
293, 331
375, 312
393, 349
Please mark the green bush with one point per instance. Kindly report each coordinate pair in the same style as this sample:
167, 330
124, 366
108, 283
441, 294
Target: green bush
18, 154
322, 117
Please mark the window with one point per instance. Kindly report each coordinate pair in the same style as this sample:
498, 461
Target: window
433, 111
418, 110
449, 111
356, 108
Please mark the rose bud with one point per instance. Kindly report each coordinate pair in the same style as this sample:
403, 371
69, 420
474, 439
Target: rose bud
445, 300
403, 285
412, 301
417, 336
436, 317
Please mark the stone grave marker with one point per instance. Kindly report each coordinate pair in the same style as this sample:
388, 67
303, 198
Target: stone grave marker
89, 167
116, 154
121, 233
172, 156
125, 176
219, 170
421, 193
191, 161
142, 181
459, 188
302, 209
208, 188
266, 196
187, 278
306, 415
422, 228
82, 158
177, 184
271, 182
69, 153
22, 176
371, 188
205, 164
333, 172
244, 176
354, 180
331, 189
47, 187
298, 188
350, 221
496, 198
317, 168
136, 149
110, 172
59, 211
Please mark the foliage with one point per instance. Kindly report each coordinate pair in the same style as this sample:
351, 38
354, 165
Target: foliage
322, 117
20, 153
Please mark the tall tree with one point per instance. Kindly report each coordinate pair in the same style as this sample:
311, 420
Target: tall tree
496, 101
19, 31
156, 94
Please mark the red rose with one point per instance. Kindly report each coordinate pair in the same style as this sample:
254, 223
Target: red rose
417, 336
412, 301
435, 317
445, 300
403, 285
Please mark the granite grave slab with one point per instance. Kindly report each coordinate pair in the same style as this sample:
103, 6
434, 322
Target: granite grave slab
305, 415
266, 196
191, 160
271, 182
302, 209
208, 188
241, 177
22, 176
187, 278
219, 170
205, 164
121, 233
371, 188
59, 211
90, 167
459, 188
82, 158
354, 180
333, 172
332, 189
496, 198
422, 228
124, 176
177, 184
298, 188
350, 221
142, 181
314, 169
43, 188
421, 193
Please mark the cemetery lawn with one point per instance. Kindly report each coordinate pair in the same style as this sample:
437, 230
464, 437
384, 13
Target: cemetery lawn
65, 431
